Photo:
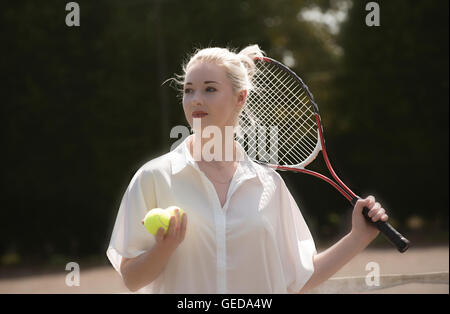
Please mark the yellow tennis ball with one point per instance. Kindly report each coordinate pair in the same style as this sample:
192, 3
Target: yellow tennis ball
155, 219
171, 210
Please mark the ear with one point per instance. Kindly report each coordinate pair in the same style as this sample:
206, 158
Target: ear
242, 96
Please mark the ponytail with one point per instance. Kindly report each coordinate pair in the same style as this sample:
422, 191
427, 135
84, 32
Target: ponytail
247, 55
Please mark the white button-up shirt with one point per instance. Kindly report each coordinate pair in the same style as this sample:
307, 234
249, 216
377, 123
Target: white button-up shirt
258, 242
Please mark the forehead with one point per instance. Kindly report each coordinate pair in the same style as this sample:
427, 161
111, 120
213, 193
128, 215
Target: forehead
205, 71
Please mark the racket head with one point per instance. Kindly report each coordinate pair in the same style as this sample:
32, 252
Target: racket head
280, 122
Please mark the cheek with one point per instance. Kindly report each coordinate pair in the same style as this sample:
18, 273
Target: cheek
185, 103
223, 103
229, 107
186, 113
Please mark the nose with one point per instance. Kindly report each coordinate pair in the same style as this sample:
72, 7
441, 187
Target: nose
196, 99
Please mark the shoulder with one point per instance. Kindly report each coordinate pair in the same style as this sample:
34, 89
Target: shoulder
160, 165
267, 174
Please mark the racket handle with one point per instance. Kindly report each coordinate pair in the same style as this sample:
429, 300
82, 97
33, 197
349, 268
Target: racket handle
393, 235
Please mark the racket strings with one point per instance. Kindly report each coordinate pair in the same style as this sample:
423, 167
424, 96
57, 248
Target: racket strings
288, 137
278, 119
287, 94
270, 98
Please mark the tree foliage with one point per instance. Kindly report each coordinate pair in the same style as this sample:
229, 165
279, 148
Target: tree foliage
84, 107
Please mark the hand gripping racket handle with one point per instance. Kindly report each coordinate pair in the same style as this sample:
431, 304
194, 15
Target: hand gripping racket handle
393, 235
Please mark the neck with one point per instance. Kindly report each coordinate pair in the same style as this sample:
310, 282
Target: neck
217, 150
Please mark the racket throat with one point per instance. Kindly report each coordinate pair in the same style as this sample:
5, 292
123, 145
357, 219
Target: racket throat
327, 161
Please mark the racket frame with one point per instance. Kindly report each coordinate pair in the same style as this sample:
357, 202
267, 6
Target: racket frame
396, 238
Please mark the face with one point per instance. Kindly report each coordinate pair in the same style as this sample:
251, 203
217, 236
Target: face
208, 95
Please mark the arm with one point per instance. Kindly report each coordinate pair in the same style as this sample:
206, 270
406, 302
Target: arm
327, 263
142, 270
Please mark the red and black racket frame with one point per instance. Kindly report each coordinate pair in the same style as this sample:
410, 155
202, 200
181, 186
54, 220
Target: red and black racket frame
400, 242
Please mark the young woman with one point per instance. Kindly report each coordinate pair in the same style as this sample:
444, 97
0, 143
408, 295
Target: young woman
242, 231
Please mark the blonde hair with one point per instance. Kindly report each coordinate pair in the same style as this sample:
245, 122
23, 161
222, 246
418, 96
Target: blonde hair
239, 67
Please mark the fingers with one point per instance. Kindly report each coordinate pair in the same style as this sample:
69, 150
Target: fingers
178, 219
160, 235
172, 227
177, 226
376, 211
175, 232
176, 223
183, 226
365, 202
370, 201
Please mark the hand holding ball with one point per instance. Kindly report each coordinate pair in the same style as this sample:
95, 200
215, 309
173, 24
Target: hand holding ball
155, 219
160, 218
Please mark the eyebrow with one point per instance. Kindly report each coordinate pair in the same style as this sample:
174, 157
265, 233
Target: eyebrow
205, 82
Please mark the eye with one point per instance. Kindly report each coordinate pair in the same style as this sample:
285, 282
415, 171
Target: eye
188, 90
210, 89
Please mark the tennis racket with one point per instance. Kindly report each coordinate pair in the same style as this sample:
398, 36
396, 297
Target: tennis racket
280, 126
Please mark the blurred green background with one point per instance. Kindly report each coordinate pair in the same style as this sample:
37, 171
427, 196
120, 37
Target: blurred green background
84, 107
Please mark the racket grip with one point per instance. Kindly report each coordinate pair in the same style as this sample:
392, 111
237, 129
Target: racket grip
393, 235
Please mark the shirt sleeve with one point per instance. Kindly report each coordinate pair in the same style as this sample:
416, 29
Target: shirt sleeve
129, 237
296, 243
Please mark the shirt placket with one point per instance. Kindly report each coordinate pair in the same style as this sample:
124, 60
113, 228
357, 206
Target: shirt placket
221, 249
220, 224
220, 214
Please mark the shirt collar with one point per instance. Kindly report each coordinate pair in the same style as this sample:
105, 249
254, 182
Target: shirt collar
182, 158
179, 160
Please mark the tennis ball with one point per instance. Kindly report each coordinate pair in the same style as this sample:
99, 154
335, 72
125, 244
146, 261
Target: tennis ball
155, 219
158, 217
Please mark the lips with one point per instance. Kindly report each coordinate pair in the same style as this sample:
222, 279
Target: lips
199, 114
